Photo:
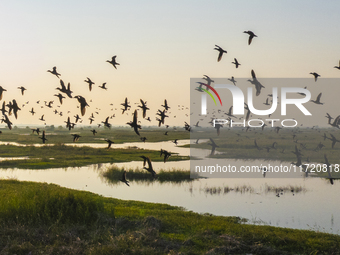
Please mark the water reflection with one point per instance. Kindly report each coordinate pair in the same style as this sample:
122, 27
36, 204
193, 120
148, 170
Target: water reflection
311, 208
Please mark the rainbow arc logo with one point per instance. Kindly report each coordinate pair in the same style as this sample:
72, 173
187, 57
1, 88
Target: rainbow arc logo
213, 90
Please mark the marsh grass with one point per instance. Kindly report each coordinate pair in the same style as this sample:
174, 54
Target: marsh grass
118, 134
114, 174
239, 144
41, 218
61, 155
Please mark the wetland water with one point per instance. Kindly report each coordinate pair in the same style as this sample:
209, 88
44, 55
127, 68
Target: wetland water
315, 207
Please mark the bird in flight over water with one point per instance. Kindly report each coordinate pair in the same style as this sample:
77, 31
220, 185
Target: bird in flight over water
124, 178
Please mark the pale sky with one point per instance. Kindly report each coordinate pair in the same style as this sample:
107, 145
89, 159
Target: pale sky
160, 45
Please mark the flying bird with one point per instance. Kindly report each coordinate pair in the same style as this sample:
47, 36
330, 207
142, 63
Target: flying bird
149, 168
144, 107
337, 67
54, 71
236, 63
134, 123
103, 86
221, 51
125, 105
316, 75
89, 82
124, 178
43, 138
166, 106
255, 82
1, 92
113, 62
251, 36
83, 104
317, 101
60, 96
22, 90
213, 146
109, 143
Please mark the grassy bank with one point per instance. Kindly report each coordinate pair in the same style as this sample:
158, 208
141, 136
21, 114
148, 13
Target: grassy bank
68, 156
116, 134
114, 174
47, 219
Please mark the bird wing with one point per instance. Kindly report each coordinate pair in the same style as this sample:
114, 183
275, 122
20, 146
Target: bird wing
318, 98
253, 74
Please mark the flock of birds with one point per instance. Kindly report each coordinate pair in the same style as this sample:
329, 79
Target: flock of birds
65, 92
161, 115
208, 83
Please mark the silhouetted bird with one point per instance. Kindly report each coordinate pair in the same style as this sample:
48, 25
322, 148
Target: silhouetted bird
143, 139
113, 62
3, 109
213, 146
22, 90
336, 122
165, 154
7, 121
317, 101
94, 132
106, 123
68, 123
54, 71
1, 92
236, 63
134, 123
109, 143
251, 36
32, 111
43, 138
144, 107
124, 178
316, 75
63, 89
149, 168
166, 106
337, 67
255, 82
333, 139
232, 80
37, 130
75, 137
125, 105
77, 118
15, 108
89, 82
221, 51
60, 96
103, 86
83, 104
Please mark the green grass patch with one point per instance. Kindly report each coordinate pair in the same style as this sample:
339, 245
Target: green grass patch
60, 155
47, 219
